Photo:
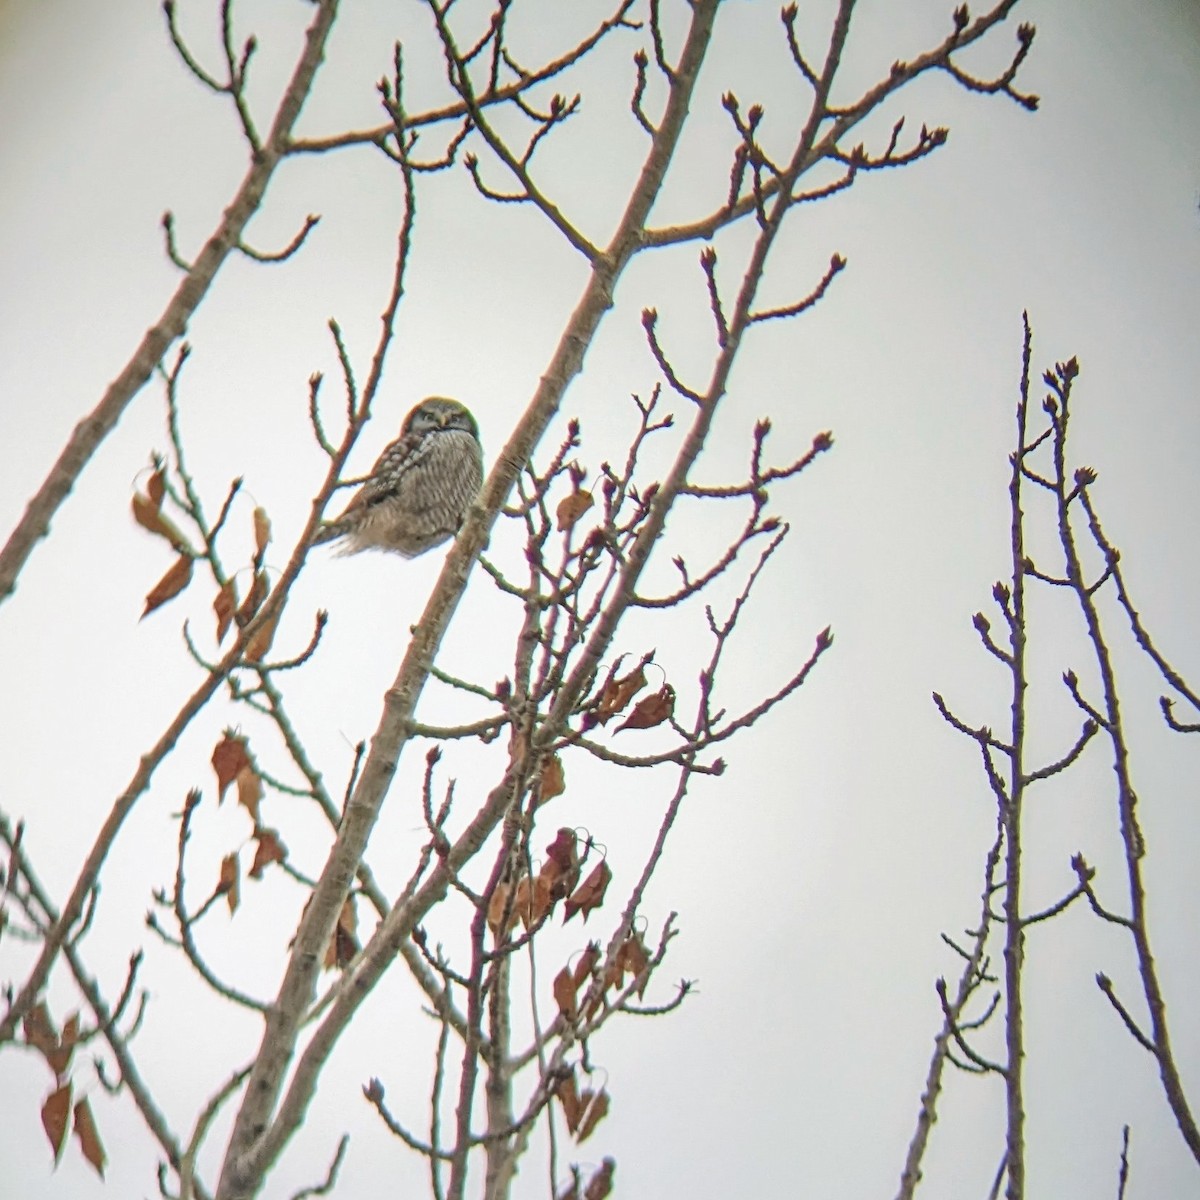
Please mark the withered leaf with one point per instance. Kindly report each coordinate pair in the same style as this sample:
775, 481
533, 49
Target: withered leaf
262, 533
496, 909
261, 641
343, 946
250, 791
254, 598
568, 1096
269, 850
178, 576
651, 711
147, 512
523, 902
564, 992
572, 507
589, 894
586, 964
617, 693
601, 1182
563, 849
633, 958
60, 1060
230, 757
156, 488
560, 871
597, 1110
552, 781
542, 899
225, 605
89, 1139
56, 1113
229, 881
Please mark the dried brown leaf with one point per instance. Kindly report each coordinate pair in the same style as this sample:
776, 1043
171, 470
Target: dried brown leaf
564, 993
225, 605
89, 1138
597, 1110
572, 507
60, 1060
601, 1183
496, 906
343, 946
254, 598
586, 964
156, 487
617, 693
589, 894
568, 1096
560, 871
269, 850
542, 900
523, 902
262, 533
56, 1115
229, 881
178, 576
250, 791
635, 958
230, 757
651, 711
260, 643
563, 850
552, 781
147, 512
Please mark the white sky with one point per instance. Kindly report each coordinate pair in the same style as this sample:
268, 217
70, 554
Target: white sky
812, 880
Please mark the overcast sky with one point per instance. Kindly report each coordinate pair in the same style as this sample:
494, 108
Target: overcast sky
813, 880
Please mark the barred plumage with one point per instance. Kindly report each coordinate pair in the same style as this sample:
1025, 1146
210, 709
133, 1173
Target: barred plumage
420, 487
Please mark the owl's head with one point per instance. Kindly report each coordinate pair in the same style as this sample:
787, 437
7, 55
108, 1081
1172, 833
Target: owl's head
438, 413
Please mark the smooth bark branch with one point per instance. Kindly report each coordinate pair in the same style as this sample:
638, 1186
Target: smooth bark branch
95, 427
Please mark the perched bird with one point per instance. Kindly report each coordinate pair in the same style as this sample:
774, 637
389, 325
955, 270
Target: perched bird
420, 488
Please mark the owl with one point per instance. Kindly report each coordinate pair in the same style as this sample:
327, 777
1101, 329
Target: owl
419, 489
